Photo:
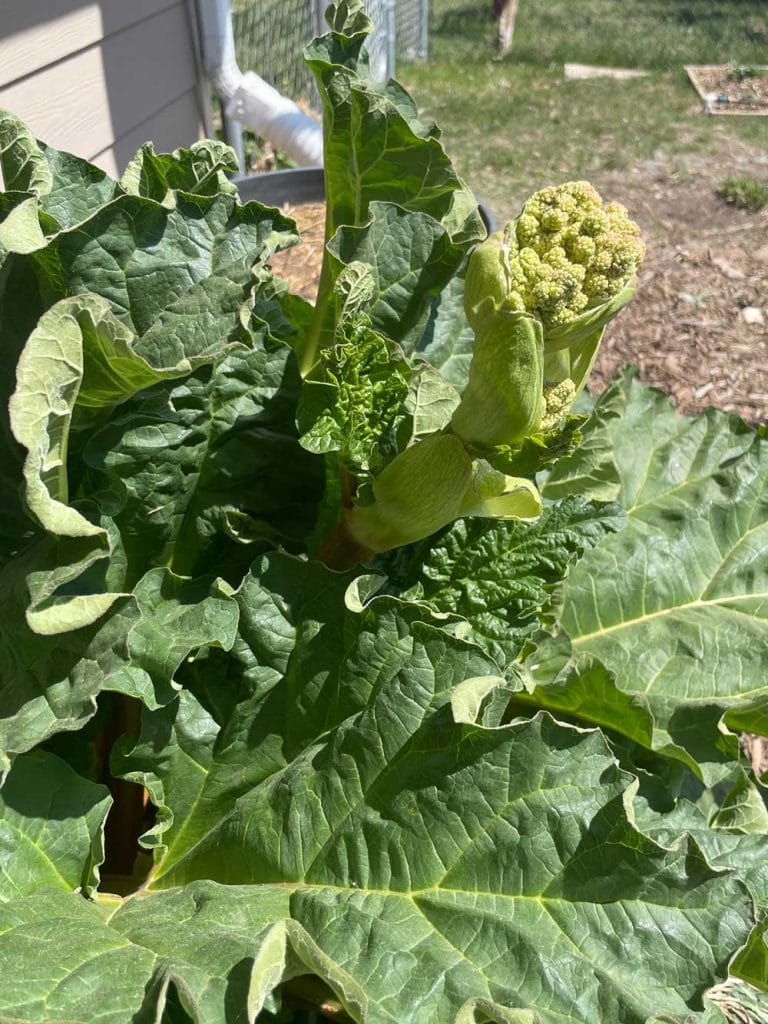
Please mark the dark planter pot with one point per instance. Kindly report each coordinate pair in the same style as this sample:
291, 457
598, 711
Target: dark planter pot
299, 185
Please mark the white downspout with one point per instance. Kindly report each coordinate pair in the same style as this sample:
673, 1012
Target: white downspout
247, 98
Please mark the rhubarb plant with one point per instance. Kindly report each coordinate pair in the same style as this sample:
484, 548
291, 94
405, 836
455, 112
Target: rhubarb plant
352, 661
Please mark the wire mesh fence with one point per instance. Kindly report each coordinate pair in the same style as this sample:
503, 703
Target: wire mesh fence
271, 34
412, 29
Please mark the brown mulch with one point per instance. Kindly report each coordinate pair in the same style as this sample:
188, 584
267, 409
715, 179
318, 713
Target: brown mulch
300, 266
707, 264
705, 274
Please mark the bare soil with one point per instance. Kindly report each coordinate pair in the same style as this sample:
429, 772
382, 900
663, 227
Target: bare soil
704, 276
705, 272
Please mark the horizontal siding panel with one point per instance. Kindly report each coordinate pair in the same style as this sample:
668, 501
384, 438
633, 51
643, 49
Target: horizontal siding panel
86, 102
36, 33
179, 124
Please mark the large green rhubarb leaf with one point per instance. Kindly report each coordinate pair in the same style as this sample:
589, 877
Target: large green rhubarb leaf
49, 683
425, 867
209, 465
304, 660
201, 169
216, 952
78, 358
448, 339
375, 146
178, 264
332, 761
179, 278
65, 188
676, 604
412, 258
734, 837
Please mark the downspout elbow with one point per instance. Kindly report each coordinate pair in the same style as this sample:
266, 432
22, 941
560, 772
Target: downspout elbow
247, 98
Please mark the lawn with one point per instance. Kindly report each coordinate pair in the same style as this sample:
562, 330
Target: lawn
517, 124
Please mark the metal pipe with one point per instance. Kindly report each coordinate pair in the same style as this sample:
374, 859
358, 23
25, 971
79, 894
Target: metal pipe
233, 136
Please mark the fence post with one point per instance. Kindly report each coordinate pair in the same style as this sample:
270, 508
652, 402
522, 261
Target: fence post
424, 29
319, 16
390, 23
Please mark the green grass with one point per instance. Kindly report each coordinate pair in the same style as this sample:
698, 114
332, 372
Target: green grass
516, 125
746, 193
658, 34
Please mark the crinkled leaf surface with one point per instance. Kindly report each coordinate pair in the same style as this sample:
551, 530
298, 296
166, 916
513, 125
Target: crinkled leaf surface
521, 930
498, 575
375, 146
49, 683
66, 188
536, 453
201, 169
79, 357
20, 306
743, 808
676, 604
302, 662
180, 275
430, 403
741, 852
24, 167
736, 849
404, 832
355, 399
178, 278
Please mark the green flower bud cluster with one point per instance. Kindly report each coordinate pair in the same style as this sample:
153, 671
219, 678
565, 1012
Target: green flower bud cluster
567, 252
557, 400
538, 296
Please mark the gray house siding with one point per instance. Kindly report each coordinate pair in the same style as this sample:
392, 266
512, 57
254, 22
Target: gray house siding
99, 79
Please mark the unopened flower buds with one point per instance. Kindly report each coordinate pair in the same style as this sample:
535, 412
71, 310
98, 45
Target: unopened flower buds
538, 296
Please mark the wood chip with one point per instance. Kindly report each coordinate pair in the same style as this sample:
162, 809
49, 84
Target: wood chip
731, 272
752, 315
